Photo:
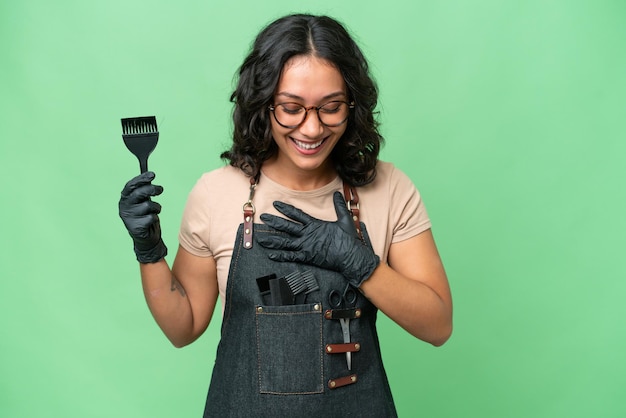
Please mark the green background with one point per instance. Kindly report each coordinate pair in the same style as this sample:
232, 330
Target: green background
508, 116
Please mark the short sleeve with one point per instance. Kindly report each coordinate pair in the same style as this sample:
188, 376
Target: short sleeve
195, 225
408, 213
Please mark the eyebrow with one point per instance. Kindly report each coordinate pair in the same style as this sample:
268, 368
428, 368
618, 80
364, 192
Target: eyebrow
327, 97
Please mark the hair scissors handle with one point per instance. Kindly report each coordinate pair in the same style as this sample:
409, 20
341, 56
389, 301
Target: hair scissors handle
345, 300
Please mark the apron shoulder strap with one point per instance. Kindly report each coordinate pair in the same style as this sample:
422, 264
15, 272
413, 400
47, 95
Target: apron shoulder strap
352, 201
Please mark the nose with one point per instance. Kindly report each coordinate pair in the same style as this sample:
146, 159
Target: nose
311, 125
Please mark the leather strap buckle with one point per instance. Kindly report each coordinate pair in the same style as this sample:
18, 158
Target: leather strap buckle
248, 215
342, 381
343, 348
352, 201
351, 313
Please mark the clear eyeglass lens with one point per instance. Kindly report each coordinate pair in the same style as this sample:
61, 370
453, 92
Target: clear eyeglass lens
293, 114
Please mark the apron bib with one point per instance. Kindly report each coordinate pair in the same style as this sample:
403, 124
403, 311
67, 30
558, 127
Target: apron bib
282, 361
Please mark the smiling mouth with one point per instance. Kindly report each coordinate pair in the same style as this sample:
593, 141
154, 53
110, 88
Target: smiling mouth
308, 145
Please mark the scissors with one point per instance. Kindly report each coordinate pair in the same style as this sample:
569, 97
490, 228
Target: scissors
347, 300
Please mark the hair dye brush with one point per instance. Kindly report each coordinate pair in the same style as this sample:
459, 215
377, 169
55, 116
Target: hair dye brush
140, 136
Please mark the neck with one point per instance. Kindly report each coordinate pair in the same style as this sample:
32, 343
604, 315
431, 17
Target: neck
297, 179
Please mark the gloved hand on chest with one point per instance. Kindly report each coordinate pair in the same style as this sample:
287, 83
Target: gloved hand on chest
329, 245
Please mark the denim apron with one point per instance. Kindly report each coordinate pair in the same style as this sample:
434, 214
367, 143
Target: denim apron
282, 361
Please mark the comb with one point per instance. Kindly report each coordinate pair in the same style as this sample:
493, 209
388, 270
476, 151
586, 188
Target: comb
140, 136
295, 282
311, 283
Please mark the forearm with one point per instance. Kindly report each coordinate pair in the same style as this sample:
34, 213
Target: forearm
410, 303
168, 302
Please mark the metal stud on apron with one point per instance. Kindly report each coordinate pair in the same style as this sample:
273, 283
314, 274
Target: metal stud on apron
292, 360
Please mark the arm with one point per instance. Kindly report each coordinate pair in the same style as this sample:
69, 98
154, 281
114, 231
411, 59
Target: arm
181, 300
413, 289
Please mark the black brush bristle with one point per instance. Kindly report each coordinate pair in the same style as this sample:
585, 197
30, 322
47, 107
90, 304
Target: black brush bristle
140, 136
143, 125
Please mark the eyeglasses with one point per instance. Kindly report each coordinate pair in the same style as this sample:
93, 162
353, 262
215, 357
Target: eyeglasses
291, 115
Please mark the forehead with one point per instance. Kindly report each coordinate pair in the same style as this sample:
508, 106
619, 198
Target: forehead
310, 78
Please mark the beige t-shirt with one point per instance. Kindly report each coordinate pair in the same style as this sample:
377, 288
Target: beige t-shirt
390, 207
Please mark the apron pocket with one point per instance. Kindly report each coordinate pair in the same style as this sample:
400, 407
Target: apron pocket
289, 347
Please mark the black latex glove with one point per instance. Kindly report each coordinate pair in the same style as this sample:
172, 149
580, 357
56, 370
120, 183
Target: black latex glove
330, 245
140, 216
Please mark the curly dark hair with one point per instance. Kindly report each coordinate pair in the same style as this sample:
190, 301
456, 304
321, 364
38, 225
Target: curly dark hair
356, 154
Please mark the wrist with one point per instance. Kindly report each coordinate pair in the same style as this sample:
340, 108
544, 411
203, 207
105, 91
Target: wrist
365, 271
153, 254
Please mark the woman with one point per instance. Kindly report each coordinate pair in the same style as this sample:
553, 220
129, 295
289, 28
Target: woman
339, 236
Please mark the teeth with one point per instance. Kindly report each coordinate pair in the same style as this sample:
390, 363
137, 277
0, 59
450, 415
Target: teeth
307, 145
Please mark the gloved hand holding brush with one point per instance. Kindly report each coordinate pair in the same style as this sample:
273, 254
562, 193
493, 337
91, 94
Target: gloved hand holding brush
140, 216
330, 245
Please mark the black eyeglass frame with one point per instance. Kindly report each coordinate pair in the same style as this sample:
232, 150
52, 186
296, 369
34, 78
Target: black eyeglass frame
272, 108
